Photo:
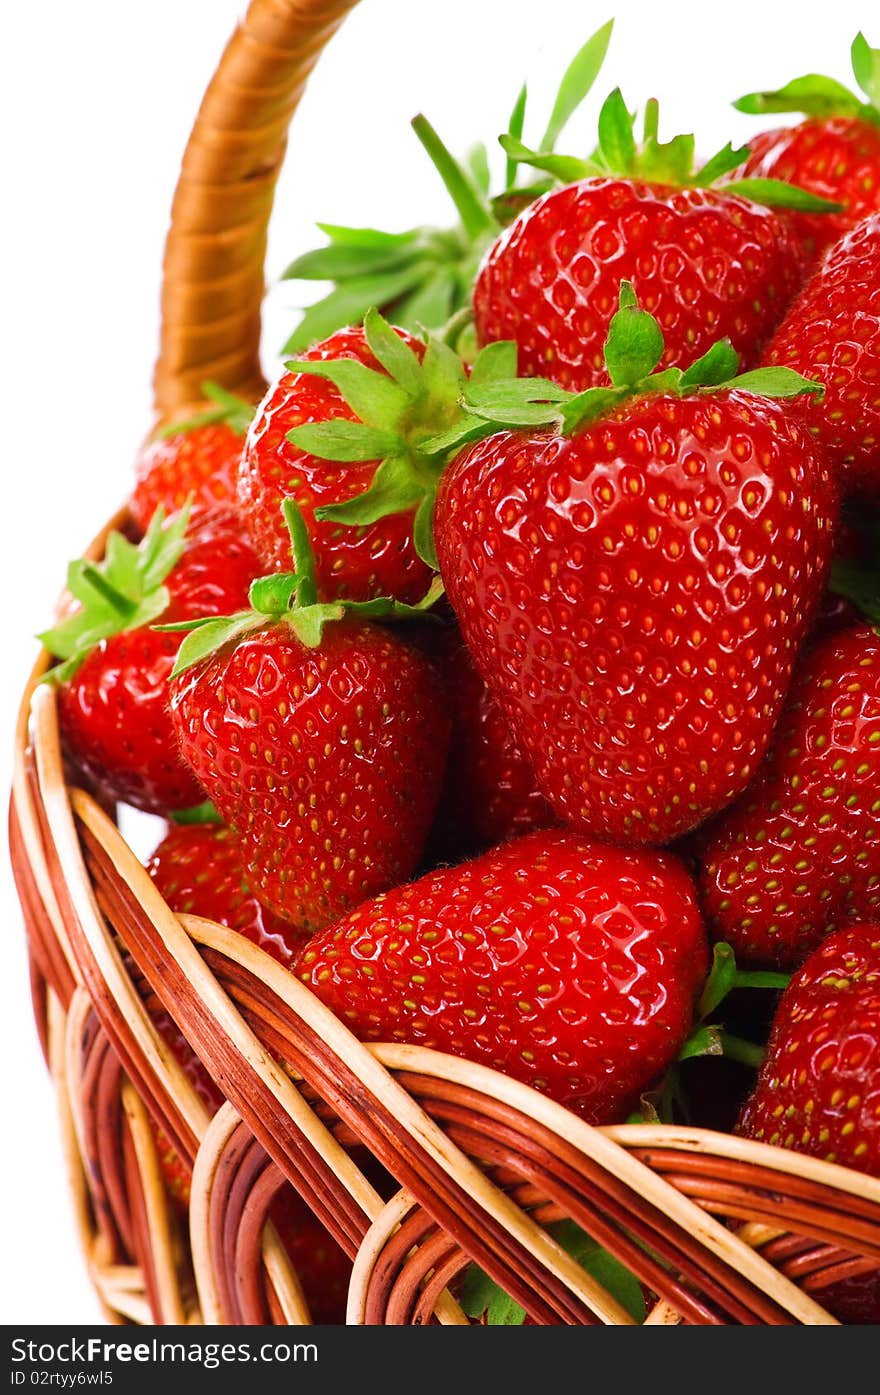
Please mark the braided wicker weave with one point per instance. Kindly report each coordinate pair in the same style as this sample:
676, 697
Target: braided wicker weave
723, 1230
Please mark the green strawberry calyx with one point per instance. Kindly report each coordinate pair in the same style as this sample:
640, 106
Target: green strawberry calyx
620, 155
815, 95
633, 350
422, 277
123, 592
407, 415
289, 598
415, 417
227, 410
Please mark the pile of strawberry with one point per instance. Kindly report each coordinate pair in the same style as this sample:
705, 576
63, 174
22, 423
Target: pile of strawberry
489, 673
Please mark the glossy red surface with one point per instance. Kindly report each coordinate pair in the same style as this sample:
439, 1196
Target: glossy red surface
832, 335
836, 157
566, 964
114, 711
707, 264
799, 855
326, 761
635, 596
199, 870
199, 465
351, 562
818, 1091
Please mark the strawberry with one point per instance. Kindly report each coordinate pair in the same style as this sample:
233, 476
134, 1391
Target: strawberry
194, 461
818, 1090
834, 153
489, 793
113, 681
832, 333
375, 559
320, 737
708, 260
566, 964
634, 578
199, 870
799, 855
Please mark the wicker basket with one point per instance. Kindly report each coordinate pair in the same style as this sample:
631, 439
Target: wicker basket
723, 1230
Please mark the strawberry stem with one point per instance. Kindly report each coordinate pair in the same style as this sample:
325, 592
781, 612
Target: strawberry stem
737, 1049
301, 551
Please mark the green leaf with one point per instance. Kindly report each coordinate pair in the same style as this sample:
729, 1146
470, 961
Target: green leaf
705, 1041
301, 553
497, 361
577, 81
616, 139
430, 304
464, 433
472, 208
517, 402
215, 635
857, 583
746, 1052
229, 409
723, 162
775, 193
443, 375
720, 981
614, 1277
567, 168
308, 624
273, 595
717, 365
394, 354
478, 168
506, 206
515, 130
634, 345
395, 489
423, 531
866, 67
588, 406
812, 95
198, 814
340, 261
481, 1295
374, 397
344, 440
670, 162
367, 237
348, 304
775, 382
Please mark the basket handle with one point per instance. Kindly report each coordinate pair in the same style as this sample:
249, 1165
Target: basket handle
212, 286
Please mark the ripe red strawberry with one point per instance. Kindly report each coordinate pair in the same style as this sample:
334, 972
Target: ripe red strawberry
834, 153
113, 681
705, 259
832, 333
199, 870
489, 794
799, 854
635, 586
566, 964
322, 744
378, 558
818, 1091
195, 461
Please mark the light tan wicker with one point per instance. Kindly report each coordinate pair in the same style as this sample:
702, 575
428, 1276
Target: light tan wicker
721, 1229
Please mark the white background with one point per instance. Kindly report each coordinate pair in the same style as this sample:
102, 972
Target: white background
97, 99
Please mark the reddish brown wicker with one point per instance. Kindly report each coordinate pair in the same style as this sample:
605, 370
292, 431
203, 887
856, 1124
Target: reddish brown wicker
722, 1230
